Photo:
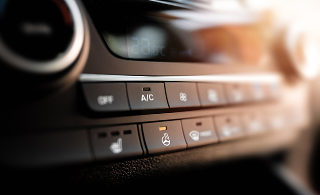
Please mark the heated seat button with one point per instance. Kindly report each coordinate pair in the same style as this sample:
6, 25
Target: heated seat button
115, 142
199, 131
146, 96
228, 127
164, 136
211, 94
106, 96
182, 95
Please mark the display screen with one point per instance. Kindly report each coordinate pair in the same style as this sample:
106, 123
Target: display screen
159, 42
161, 34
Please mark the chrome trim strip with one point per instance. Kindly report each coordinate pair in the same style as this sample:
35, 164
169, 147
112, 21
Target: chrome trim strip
265, 78
172, 4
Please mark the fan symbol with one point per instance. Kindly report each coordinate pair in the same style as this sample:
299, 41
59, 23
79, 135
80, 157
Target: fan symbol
183, 97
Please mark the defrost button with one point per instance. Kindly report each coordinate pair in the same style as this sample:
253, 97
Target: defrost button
199, 131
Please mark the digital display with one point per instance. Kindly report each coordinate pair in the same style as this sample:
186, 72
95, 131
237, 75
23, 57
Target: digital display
149, 31
147, 42
159, 42
173, 42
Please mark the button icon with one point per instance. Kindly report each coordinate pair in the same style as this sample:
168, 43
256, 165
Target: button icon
166, 139
147, 97
237, 96
229, 130
103, 100
116, 147
255, 126
194, 135
213, 96
183, 97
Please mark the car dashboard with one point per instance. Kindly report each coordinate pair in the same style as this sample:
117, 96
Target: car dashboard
188, 95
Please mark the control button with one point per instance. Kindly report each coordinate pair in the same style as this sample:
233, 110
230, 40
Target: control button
228, 127
182, 95
106, 96
236, 93
115, 142
277, 120
146, 96
273, 90
256, 92
199, 131
211, 94
253, 123
163, 136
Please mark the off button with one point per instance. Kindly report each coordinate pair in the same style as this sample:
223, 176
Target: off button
146, 96
106, 96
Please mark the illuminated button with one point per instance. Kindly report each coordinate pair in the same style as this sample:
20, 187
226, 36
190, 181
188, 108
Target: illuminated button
236, 93
115, 142
253, 123
228, 127
182, 95
106, 96
146, 96
211, 94
164, 136
199, 131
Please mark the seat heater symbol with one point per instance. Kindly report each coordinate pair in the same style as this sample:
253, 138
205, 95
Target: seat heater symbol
194, 135
116, 147
166, 139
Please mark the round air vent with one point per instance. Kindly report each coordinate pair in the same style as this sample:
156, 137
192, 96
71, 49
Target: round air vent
40, 36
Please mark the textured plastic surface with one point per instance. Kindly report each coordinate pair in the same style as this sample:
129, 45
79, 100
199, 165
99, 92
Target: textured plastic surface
46, 149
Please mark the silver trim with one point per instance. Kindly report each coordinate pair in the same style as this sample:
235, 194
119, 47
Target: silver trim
62, 61
291, 180
264, 78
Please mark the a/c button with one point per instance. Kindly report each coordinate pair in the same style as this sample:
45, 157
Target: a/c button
146, 96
